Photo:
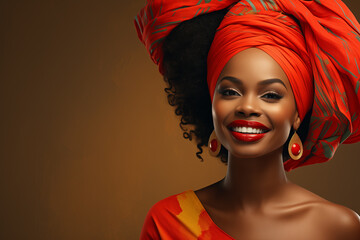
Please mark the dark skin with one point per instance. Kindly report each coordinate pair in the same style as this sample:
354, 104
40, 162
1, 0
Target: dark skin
255, 200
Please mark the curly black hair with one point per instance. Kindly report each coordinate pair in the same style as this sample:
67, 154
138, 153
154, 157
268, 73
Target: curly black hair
185, 52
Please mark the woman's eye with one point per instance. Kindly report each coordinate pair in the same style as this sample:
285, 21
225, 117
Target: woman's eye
229, 92
272, 95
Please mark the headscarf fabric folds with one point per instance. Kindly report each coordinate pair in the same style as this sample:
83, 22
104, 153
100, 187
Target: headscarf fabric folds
317, 44
156, 20
271, 31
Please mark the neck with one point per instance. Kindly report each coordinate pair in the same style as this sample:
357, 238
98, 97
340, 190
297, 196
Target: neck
250, 183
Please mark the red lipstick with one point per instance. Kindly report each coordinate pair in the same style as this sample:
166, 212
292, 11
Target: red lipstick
243, 123
247, 137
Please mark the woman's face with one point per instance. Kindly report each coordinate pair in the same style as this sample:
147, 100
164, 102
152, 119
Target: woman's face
253, 91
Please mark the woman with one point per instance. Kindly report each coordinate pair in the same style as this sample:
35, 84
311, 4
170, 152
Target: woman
281, 92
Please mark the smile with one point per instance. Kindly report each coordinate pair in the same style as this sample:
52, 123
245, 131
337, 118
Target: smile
247, 131
247, 137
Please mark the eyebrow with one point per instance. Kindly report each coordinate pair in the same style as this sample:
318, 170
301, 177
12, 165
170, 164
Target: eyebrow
263, 82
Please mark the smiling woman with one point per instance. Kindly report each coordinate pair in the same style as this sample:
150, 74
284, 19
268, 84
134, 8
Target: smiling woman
249, 76
266, 105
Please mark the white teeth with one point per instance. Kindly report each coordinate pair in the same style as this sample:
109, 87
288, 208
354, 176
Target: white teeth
247, 130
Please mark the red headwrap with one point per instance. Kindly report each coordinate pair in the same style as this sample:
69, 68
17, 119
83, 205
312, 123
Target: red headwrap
320, 57
271, 31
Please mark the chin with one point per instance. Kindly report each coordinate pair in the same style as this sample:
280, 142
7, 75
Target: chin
253, 152
249, 155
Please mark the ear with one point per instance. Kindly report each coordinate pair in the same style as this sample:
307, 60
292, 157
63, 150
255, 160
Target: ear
297, 121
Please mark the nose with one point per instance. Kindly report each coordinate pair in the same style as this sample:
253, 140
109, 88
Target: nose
248, 106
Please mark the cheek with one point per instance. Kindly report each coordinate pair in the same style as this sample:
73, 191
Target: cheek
282, 114
220, 109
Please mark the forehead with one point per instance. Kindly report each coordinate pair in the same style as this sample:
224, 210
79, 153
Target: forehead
254, 65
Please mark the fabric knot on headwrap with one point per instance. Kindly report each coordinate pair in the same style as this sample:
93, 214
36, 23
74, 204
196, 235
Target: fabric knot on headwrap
317, 44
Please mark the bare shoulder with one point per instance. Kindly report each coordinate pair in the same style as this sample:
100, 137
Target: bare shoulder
333, 220
340, 221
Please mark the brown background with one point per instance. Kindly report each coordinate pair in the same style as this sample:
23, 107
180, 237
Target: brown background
87, 140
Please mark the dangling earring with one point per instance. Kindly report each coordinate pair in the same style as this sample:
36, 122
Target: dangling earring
214, 144
295, 147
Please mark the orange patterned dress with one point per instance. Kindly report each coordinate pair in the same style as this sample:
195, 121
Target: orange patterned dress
181, 216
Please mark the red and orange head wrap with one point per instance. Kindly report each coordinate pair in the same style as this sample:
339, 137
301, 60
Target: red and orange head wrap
253, 25
317, 44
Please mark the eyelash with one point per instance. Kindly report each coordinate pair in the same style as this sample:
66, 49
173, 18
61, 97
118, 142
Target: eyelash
225, 92
274, 94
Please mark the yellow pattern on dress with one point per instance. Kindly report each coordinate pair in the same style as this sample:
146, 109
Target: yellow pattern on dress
190, 214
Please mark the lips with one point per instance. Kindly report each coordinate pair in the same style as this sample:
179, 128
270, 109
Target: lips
252, 124
247, 137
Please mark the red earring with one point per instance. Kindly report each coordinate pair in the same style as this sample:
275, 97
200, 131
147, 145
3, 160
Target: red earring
295, 147
214, 144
